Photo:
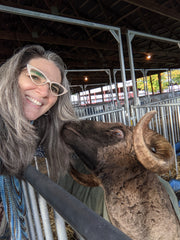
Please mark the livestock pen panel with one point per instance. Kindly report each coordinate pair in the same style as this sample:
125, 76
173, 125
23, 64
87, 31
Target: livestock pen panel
166, 122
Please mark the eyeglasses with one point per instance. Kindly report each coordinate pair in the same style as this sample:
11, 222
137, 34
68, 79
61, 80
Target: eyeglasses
39, 78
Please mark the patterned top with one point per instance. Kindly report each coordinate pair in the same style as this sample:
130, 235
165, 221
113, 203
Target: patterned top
13, 212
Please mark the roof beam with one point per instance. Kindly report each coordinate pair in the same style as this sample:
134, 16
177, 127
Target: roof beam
153, 6
12, 36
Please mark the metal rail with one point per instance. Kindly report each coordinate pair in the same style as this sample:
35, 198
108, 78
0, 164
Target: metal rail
89, 225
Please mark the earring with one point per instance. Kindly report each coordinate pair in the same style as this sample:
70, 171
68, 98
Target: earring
47, 113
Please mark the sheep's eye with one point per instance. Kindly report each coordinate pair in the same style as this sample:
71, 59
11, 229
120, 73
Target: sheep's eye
117, 132
153, 149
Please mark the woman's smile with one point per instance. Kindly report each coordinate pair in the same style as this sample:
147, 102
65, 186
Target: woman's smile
33, 100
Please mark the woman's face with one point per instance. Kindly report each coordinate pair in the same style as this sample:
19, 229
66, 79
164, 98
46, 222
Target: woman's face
38, 99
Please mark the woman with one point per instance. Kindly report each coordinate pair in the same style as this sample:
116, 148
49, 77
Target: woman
34, 103
32, 112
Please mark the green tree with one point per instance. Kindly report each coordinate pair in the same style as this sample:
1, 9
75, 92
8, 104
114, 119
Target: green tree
175, 76
153, 82
140, 83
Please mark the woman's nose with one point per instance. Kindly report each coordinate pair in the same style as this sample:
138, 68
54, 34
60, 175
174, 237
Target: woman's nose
44, 90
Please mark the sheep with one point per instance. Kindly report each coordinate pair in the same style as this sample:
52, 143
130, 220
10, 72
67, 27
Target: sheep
125, 161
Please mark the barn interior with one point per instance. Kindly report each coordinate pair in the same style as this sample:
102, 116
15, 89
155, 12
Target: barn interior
94, 38
88, 47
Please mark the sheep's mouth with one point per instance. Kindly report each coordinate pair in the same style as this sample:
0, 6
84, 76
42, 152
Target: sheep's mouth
77, 143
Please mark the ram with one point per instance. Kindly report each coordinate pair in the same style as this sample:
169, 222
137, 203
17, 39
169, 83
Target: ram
125, 161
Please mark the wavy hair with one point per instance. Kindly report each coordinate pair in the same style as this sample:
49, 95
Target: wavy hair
19, 138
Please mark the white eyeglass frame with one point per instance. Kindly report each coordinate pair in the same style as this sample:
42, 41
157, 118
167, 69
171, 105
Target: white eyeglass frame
29, 67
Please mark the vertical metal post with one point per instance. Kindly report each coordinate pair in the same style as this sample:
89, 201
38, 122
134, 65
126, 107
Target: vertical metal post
115, 82
130, 37
172, 88
110, 81
117, 36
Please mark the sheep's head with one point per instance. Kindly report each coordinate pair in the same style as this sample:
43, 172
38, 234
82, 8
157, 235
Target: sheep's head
113, 145
96, 142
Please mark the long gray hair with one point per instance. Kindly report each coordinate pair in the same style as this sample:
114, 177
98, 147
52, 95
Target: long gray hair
18, 137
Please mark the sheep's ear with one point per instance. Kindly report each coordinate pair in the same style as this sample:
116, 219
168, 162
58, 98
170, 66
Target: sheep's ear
88, 180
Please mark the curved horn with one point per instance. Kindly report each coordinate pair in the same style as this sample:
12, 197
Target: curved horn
152, 150
88, 180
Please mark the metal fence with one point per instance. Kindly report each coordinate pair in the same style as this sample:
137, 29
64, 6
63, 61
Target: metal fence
86, 223
84, 111
117, 115
43, 222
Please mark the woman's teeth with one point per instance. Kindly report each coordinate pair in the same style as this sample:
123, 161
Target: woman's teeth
34, 101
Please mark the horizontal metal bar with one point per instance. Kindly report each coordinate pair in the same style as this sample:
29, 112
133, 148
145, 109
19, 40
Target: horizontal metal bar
100, 114
51, 17
139, 69
86, 70
95, 84
160, 105
89, 225
153, 36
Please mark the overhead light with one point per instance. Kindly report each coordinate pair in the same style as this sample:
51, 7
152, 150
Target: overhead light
148, 56
85, 78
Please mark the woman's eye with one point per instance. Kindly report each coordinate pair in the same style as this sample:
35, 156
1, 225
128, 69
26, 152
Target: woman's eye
55, 89
36, 78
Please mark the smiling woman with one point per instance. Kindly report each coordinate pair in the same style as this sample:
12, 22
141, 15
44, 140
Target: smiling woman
24, 99
34, 104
